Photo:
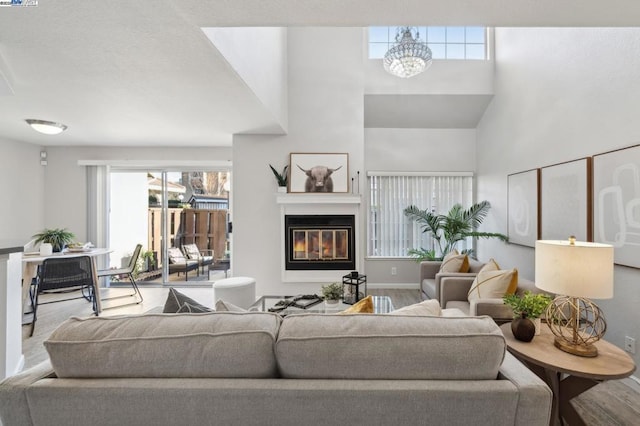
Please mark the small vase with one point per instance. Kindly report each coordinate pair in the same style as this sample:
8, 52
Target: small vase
282, 189
331, 302
523, 329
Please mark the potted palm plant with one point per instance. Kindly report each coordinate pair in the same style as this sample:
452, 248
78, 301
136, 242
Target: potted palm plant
58, 238
447, 230
527, 310
332, 293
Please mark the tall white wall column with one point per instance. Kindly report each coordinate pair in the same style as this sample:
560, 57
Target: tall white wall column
11, 357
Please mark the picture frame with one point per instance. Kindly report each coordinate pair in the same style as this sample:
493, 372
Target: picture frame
523, 199
616, 203
566, 200
318, 172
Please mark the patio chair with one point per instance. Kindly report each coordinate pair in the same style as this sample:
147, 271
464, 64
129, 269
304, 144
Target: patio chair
63, 275
178, 263
203, 256
128, 271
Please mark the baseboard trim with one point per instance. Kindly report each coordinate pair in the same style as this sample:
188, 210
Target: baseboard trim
391, 286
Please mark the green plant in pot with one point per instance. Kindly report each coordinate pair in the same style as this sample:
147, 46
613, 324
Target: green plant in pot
451, 228
332, 293
527, 310
281, 178
58, 238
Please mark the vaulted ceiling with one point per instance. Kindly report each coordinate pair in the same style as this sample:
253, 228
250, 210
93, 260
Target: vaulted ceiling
141, 73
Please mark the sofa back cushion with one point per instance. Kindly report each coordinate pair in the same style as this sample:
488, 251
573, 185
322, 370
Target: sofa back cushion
217, 344
364, 346
475, 265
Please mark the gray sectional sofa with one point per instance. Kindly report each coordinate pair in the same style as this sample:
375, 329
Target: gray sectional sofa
259, 369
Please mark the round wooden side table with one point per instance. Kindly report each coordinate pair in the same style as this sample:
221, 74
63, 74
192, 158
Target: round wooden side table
568, 375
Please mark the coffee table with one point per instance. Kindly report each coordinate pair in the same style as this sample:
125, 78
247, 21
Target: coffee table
381, 305
568, 375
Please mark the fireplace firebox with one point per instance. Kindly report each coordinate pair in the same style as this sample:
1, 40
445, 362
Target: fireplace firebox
320, 242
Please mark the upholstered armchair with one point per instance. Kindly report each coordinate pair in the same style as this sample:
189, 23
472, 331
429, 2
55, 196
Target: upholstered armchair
454, 294
431, 277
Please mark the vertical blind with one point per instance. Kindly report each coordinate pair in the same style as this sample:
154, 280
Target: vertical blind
389, 232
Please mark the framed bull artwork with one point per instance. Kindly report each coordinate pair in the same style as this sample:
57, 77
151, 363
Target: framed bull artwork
315, 172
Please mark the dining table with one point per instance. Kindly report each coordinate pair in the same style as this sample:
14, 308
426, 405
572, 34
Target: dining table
31, 260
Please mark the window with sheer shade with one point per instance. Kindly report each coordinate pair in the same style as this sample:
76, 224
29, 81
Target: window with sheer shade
389, 232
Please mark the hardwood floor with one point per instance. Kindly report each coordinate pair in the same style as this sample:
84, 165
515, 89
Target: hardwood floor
609, 403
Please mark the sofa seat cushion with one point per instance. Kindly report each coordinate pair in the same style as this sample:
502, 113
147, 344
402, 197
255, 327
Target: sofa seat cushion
389, 347
461, 305
225, 344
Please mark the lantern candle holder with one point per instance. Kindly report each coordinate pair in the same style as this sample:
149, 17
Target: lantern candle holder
354, 287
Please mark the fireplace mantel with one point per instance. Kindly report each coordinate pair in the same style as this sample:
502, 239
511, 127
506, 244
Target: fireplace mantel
318, 199
318, 204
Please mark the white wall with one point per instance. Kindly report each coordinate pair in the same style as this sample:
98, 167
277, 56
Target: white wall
415, 150
128, 215
325, 115
22, 177
259, 56
560, 94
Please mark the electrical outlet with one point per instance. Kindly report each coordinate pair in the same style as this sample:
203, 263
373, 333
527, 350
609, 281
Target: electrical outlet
394, 271
630, 344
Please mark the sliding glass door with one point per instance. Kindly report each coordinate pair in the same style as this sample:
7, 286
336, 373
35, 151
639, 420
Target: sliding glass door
169, 212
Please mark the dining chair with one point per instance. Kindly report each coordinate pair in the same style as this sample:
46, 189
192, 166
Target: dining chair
63, 275
127, 271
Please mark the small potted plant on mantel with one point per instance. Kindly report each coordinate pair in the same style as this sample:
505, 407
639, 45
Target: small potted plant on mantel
526, 313
332, 293
281, 178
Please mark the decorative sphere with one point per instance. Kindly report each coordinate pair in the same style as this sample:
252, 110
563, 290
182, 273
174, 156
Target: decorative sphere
566, 313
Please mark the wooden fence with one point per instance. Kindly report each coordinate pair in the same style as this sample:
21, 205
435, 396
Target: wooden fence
206, 228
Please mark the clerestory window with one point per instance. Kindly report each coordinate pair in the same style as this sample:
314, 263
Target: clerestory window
467, 43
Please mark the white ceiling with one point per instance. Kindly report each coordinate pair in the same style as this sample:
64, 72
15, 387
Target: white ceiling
142, 73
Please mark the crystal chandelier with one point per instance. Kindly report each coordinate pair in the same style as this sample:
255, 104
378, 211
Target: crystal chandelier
409, 56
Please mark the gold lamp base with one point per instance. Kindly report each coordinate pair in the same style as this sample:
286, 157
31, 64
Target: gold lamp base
589, 351
577, 323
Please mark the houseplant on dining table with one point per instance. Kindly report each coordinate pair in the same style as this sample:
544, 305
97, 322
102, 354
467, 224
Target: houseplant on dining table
57, 237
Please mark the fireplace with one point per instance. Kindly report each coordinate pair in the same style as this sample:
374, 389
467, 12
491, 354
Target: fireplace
319, 242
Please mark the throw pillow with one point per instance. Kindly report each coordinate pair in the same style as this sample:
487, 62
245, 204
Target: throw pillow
363, 306
493, 284
176, 300
428, 308
491, 265
191, 251
175, 255
188, 308
455, 262
222, 306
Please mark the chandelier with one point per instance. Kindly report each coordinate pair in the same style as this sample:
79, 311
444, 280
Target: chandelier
409, 56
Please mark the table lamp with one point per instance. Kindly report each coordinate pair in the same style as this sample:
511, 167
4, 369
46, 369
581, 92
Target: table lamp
575, 271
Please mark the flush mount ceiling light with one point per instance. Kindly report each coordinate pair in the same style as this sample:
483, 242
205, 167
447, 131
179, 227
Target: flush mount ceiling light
409, 56
46, 127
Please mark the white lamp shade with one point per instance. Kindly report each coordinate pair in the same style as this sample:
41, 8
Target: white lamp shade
580, 270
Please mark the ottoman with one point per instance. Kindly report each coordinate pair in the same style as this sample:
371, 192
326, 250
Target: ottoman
240, 291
